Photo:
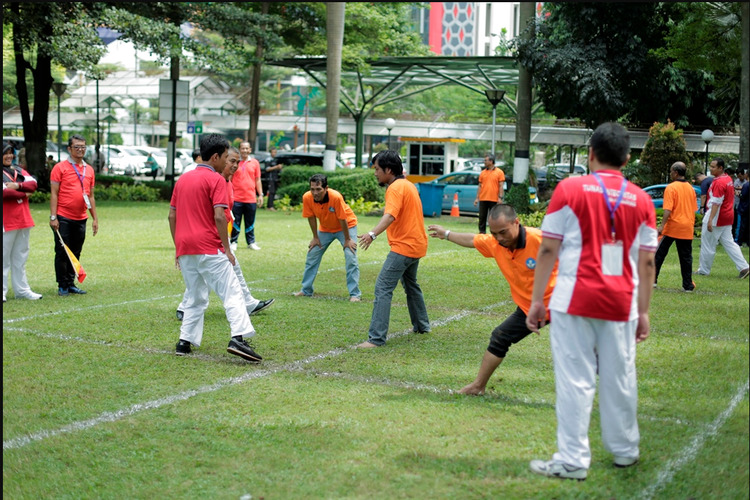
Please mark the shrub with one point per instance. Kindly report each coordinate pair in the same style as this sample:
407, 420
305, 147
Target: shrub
664, 146
108, 180
39, 197
163, 187
518, 197
127, 192
351, 184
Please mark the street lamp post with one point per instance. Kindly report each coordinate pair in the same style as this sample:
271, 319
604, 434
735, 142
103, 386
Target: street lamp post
59, 89
494, 96
707, 136
389, 124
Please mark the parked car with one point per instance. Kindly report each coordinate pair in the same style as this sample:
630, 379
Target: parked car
656, 192
559, 171
160, 155
349, 160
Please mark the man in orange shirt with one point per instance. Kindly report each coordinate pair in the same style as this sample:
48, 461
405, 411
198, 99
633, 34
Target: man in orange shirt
490, 191
403, 219
677, 224
247, 185
514, 248
337, 222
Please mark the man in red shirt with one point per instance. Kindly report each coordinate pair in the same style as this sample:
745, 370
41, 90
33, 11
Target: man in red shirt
248, 196
71, 194
490, 191
514, 248
601, 230
404, 221
199, 230
717, 223
337, 222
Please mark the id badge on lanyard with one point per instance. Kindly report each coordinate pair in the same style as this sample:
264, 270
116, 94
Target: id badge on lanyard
81, 178
612, 251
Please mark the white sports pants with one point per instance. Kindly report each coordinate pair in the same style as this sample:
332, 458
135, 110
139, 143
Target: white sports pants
710, 241
15, 255
250, 301
581, 347
203, 273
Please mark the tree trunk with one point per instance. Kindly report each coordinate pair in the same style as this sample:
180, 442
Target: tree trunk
523, 117
34, 128
745, 89
335, 12
252, 132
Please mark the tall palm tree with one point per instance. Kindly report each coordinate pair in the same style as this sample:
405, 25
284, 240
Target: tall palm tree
335, 35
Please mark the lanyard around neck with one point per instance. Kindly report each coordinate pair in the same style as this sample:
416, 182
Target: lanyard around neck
612, 207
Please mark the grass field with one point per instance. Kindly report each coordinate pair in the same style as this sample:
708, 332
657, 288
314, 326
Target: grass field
96, 404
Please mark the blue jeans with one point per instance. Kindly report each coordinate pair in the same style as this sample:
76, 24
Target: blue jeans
248, 211
314, 256
397, 267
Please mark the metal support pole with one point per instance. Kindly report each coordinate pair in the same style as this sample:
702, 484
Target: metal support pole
494, 109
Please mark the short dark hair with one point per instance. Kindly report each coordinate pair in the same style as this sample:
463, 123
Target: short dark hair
196, 154
719, 162
213, 144
610, 144
680, 168
502, 210
490, 156
390, 160
75, 137
319, 179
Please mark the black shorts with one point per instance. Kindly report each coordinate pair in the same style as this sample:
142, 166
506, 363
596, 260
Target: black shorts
510, 331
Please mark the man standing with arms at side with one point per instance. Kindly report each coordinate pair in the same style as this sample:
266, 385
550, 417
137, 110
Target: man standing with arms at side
514, 248
403, 219
71, 194
490, 191
337, 222
273, 169
677, 224
248, 196
199, 230
717, 223
603, 230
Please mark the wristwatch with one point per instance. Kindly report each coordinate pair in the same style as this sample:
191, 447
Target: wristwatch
372, 235
53, 217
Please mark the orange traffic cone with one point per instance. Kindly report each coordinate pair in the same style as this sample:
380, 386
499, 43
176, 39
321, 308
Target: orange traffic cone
454, 208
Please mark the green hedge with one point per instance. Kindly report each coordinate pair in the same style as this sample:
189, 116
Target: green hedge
127, 192
108, 180
352, 184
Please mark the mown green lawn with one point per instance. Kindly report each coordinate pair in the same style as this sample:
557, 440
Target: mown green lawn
96, 404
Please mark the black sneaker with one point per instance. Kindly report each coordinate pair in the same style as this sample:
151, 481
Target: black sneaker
180, 315
263, 304
183, 348
63, 292
76, 290
239, 347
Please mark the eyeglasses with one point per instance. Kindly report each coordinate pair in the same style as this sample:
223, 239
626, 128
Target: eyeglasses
79, 148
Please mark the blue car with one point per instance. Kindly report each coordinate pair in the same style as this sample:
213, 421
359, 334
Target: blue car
656, 192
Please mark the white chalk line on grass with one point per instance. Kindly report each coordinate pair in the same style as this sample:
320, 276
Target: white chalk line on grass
689, 453
108, 417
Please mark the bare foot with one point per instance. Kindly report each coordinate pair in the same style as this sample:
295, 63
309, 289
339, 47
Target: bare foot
472, 390
365, 345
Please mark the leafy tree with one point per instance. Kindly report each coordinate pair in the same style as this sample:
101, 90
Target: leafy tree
44, 34
664, 146
601, 62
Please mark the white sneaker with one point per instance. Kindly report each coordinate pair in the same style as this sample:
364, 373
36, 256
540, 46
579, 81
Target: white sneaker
253, 246
558, 470
233, 247
623, 462
31, 296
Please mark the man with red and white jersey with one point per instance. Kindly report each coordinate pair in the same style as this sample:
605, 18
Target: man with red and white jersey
199, 230
602, 231
717, 223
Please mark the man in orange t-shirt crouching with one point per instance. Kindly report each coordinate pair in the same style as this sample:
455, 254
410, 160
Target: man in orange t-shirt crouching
403, 219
